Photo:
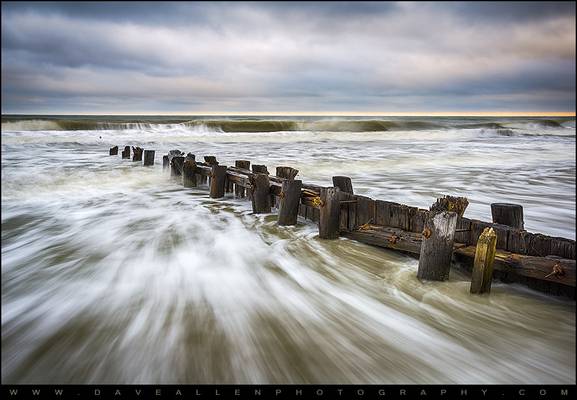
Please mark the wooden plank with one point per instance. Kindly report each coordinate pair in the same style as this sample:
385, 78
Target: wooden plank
352, 215
316, 215
401, 217
539, 245
310, 213
477, 227
518, 241
365, 210
562, 247
463, 232
303, 210
502, 232
386, 237
383, 212
344, 210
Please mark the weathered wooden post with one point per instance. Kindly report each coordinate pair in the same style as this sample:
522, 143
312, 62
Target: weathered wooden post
148, 157
244, 164
260, 193
437, 245
188, 173
483, 266
209, 160
137, 153
113, 151
165, 162
126, 152
290, 199
217, 181
343, 183
329, 213
259, 169
176, 165
508, 214
286, 172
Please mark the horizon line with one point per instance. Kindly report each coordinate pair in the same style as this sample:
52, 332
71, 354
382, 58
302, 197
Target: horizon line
332, 113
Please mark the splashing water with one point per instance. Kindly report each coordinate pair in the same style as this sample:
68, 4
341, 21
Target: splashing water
115, 273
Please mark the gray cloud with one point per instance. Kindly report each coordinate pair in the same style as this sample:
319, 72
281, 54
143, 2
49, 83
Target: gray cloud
195, 57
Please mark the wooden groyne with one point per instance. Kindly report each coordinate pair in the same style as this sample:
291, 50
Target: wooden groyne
440, 237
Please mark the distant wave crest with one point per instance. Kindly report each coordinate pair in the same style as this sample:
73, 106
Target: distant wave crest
278, 125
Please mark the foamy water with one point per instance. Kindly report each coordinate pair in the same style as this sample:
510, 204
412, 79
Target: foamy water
114, 273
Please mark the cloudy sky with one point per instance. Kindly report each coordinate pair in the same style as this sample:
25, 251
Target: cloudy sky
187, 57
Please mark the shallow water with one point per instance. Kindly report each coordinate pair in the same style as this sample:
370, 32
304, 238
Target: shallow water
114, 273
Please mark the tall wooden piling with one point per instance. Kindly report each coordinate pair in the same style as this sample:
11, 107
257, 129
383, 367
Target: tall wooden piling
260, 193
508, 214
329, 213
148, 157
137, 153
165, 162
113, 151
437, 246
290, 199
244, 164
344, 183
176, 165
482, 274
126, 152
217, 181
188, 173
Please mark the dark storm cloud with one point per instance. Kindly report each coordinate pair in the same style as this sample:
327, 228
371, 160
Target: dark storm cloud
370, 56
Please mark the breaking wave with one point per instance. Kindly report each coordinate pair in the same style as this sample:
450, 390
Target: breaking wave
502, 127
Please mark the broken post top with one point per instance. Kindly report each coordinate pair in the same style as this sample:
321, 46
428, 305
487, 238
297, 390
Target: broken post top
256, 168
508, 214
344, 183
210, 160
245, 164
451, 203
286, 172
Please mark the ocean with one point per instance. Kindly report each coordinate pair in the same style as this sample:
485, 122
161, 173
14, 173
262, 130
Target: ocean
115, 273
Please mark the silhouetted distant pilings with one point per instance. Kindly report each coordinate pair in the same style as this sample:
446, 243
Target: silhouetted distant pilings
501, 249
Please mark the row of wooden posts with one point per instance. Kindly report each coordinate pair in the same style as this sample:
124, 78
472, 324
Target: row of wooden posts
439, 225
